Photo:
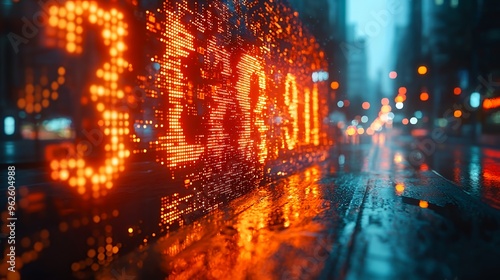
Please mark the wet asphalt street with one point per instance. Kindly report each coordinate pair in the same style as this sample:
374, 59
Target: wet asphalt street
367, 212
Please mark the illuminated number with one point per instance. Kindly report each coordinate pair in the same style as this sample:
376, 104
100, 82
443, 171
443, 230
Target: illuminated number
291, 101
174, 146
219, 132
251, 87
105, 93
315, 115
307, 115
205, 115
311, 116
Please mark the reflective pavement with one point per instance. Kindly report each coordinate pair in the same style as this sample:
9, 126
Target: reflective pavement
366, 213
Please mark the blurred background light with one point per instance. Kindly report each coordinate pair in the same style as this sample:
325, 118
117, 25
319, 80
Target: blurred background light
475, 100
9, 125
422, 70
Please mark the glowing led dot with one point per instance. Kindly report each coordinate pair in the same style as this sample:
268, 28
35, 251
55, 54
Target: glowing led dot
53, 20
71, 47
71, 37
21, 103
70, 6
92, 18
46, 93
64, 175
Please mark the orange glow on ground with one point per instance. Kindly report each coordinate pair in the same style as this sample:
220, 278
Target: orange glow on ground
423, 204
400, 188
424, 167
398, 158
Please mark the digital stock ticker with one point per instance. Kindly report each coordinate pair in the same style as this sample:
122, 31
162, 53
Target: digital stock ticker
249, 139
199, 100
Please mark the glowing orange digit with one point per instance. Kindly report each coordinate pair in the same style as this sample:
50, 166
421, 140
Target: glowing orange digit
291, 101
315, 115
255, 128
178, 44
307, 115
105, 93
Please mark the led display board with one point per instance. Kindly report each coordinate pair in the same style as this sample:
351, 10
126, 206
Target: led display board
213, 92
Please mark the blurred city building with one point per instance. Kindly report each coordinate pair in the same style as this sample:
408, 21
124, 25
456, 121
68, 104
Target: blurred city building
454, 41
358, 84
